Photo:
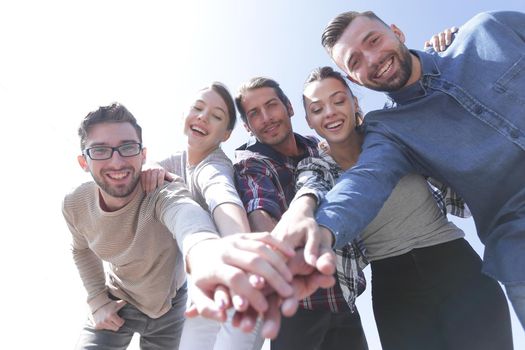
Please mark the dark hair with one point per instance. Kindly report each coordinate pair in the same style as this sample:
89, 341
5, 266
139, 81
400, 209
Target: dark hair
114, 113
223, 92
335, 29
325, 72
321, 73
257, 83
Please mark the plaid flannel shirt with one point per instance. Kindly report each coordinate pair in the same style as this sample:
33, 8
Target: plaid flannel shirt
317, 175
266, 180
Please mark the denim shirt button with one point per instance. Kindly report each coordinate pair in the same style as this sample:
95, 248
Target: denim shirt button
478, 110
514, 133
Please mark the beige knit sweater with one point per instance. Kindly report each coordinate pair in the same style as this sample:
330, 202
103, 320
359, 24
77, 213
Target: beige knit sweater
140, 243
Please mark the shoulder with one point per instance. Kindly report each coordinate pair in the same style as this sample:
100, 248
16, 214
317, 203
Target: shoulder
173, 162
503, 17
83, 192
309, 141
80, 200
217, 157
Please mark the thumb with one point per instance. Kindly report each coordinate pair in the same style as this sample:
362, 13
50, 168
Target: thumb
311, 247
119, 304
169, 176
191, 311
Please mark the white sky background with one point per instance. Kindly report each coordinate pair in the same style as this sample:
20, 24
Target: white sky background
61, 59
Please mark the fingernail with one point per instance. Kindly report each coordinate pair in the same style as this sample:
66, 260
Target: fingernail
238, 302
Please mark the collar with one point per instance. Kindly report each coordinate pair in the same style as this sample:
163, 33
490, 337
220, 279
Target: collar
253, 145
429, 69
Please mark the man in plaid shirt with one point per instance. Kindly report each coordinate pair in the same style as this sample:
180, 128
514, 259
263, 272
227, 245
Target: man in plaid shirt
265, 174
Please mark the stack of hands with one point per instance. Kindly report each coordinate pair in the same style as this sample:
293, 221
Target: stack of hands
260, 274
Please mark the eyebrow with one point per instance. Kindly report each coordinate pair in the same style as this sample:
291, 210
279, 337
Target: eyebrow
222, 110
338, 92
218, 107
368, 35
270, 100
122, 142
264, 104
331, 95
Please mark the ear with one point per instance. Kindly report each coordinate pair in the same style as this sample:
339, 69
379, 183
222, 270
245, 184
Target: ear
289, 108
400, 35
82, 161
247, 127
227, 135
144, 153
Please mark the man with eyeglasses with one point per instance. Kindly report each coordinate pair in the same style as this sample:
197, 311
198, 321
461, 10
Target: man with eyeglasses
143, 239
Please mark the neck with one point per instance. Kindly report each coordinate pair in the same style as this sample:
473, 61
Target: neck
110, 203
288, 147
415, 75
346, 153
195, 156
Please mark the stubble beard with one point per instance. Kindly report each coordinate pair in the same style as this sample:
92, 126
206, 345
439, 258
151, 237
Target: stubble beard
400, 80
118, 191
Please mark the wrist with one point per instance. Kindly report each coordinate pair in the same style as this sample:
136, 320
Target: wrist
327, 236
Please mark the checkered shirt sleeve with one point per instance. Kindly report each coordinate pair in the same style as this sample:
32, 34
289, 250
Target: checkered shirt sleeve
316, 176
448, 201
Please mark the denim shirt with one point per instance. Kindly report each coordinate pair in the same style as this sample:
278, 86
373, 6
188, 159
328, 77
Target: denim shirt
463, 123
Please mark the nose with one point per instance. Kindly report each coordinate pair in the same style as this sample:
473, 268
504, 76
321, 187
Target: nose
203, 115
329, 110
116, 158
371, 58
266, 115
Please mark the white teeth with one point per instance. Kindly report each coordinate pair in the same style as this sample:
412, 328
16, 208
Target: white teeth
199, 130
333, 125
385, 67
118, 176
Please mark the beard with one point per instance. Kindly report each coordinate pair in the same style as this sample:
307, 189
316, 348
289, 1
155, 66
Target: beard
118, 191
402, 76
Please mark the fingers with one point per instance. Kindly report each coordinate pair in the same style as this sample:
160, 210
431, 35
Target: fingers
271, 318
326, 261
169, 176
441, 41
107, 316
239, 303
312, 246
289, 306
263, 257
119, 304
249, 320
246, 320
239, 285
261, 260
160, 175
204, 306
275, 243
149, 179
117, 321
222, 297
449, 35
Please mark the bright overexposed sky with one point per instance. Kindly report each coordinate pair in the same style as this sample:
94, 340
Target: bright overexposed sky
61, 59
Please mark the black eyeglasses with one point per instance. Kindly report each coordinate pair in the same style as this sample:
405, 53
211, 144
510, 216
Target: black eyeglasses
106, 152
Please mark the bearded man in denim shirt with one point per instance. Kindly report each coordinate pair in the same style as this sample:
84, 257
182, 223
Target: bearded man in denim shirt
458, 116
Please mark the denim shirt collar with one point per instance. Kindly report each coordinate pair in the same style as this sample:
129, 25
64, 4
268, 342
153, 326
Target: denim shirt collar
416, 90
